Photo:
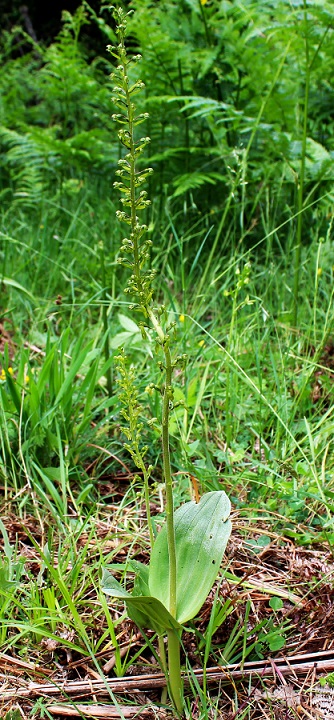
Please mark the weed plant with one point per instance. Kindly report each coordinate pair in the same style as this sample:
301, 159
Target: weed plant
187, 552
227, 146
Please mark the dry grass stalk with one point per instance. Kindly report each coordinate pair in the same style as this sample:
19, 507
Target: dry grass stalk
100, 711
294, 665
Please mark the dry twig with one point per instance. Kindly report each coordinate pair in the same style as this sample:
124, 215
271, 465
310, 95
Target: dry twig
297, 664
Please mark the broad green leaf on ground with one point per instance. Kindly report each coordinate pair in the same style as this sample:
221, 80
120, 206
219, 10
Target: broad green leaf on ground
201, 534
146, 611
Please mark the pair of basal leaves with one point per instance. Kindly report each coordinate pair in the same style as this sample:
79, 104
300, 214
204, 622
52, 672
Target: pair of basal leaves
201, 534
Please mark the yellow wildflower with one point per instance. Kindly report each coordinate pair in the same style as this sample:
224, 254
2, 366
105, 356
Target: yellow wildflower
319, 271
181, 318
201, 343
4, 373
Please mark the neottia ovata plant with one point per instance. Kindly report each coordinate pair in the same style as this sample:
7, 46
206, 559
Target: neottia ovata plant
186, 554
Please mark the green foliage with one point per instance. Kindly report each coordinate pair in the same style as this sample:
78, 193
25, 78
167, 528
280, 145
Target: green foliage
226, 106
49, 124
201, 534
233, 129
48, 407
189, 549
229, 77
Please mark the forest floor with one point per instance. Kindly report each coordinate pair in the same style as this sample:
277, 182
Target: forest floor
273, 607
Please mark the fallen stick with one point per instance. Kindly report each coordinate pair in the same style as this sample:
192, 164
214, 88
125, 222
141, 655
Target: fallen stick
100, 711
296, 664
16, 665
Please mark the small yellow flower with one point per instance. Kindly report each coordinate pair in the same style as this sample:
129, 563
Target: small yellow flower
26, 379
319, 272
181, 318
201, 343
4, 373
203, 2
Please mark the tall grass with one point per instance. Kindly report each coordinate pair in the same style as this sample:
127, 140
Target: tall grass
243, 208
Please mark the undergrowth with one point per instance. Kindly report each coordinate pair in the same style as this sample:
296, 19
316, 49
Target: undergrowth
242, 145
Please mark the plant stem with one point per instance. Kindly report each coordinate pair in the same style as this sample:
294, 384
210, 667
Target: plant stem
163, 340
174, 670
296, 278
146, 476
207, 32
163, 663
148, 510
168, 483
174, 664
166, 402
106, 347
139, 285
229, 431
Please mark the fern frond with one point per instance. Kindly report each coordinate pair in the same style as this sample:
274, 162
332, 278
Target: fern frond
25, 163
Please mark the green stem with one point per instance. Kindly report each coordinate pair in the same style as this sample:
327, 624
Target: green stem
166, 402
106, 347
163, 339
174, 665
147, 505
296, 278
144, 298
174, 670
207, 33
167, 399
132, 162
231, 348
163, 663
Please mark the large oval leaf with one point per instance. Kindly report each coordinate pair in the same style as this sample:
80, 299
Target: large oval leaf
148, 612
201, 534
145, 611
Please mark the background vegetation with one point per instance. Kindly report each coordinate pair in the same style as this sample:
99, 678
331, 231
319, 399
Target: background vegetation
239, 96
